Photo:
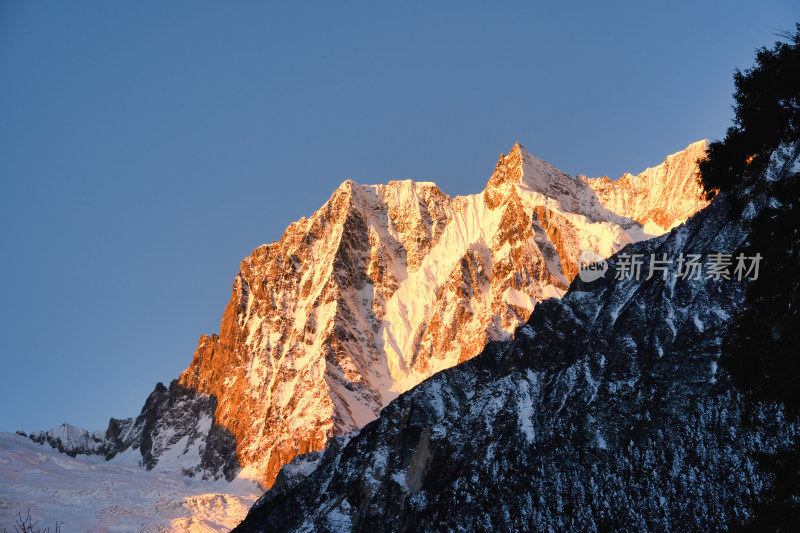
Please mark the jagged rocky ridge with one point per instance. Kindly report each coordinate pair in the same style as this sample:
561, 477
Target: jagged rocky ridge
176, 427
362, 301
607, 412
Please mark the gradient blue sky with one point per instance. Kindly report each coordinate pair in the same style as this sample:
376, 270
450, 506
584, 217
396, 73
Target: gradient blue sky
146, 147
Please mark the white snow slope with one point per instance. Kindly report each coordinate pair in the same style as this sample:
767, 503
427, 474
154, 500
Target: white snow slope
87, 493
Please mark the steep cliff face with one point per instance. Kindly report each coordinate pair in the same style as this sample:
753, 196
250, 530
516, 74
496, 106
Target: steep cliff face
607, 412
381, 288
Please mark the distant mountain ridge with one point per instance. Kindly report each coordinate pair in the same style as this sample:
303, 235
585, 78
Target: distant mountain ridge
381, 288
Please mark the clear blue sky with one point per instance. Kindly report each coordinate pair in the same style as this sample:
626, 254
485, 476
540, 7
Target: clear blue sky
146, 147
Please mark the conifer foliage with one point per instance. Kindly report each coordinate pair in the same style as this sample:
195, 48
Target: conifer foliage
762, 352
767, 106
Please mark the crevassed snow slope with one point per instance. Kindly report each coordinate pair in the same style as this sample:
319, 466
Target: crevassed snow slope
87, 493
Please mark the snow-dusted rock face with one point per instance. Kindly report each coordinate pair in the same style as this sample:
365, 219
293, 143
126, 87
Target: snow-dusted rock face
71, 440
175, 432
381, 288
606, 412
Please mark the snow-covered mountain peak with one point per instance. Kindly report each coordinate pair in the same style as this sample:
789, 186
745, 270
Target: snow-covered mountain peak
70, 439
507, 173
521, 174
362, 300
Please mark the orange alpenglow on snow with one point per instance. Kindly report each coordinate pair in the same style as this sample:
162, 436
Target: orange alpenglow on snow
366, 298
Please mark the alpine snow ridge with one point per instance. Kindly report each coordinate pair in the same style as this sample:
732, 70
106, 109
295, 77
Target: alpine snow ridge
377, 291
606, 412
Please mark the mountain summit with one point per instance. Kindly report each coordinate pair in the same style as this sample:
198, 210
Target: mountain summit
364, 300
